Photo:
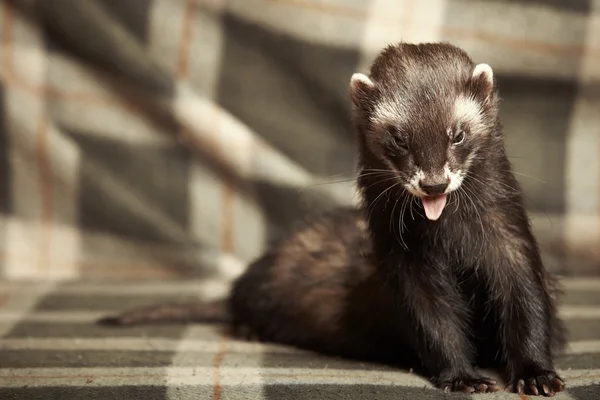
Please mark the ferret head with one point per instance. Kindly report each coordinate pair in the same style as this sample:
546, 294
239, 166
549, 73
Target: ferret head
427, 113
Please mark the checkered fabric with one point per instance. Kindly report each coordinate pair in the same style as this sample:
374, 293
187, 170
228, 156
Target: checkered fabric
169, 138
169, 141
51, 349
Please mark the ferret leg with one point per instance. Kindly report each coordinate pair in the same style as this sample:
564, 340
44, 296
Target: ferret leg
524, 308
439, 319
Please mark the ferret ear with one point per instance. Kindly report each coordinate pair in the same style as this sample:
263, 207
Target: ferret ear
361, 88
482, 81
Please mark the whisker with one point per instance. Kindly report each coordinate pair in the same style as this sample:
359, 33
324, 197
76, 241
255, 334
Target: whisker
380, 181
401, 219
416, 201
379, 196
343, 180
526, 176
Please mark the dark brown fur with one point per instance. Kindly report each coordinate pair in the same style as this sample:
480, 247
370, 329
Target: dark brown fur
383, 283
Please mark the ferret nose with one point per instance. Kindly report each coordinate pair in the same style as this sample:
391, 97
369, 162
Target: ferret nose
435, 189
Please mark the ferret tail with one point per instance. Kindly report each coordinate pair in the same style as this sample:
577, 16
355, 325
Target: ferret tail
210, 312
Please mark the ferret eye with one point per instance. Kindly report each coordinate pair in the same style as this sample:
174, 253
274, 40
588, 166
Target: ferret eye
396, 139
399, 143
458, 138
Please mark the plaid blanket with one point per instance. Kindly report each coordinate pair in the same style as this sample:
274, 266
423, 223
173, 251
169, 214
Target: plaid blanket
51, 348
169, 141
171, 138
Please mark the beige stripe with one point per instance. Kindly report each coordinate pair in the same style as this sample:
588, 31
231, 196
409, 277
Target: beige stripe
580, 312
310, 21
587, 283
232, 376
191, 344
18, 307
583, 347
173, 287
26, 235
501, 19
86, 317
583, 164
229, 376
198, 114
54, 317
391, 21
176, 287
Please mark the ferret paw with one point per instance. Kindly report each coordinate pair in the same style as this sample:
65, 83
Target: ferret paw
545, 384
469, 384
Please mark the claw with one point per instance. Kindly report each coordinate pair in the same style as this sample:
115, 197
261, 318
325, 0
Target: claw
521, 386
545, 384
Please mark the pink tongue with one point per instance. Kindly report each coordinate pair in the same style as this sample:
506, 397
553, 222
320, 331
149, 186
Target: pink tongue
434, 205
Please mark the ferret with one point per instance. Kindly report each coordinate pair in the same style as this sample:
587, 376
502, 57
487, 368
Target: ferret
437, 268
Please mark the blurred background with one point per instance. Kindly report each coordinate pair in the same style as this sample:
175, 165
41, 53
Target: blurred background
159, 139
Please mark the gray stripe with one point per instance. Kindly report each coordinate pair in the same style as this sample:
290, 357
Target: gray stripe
317, 361
581, 298
88, 30
582, 6
580, 329
591, 392
118, 303
110, 359
579, 361
122, 301
121, 359
42, 330
85, 393
355, 392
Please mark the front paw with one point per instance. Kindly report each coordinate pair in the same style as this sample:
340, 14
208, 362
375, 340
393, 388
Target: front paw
469, 384
546, 384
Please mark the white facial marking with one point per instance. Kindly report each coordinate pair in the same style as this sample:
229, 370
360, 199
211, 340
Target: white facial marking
456, 178
485, 70
413, 184
468, 110
386, 111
